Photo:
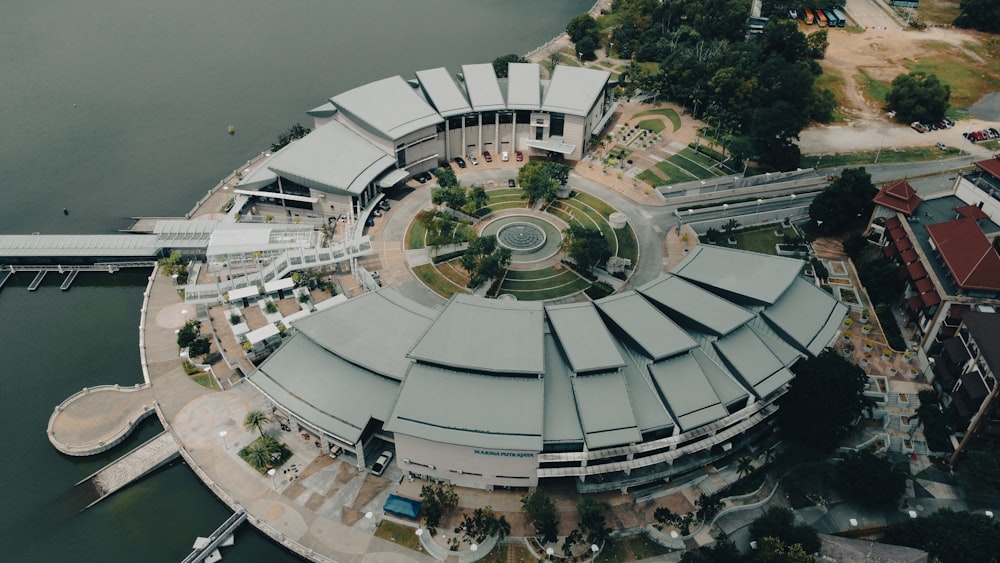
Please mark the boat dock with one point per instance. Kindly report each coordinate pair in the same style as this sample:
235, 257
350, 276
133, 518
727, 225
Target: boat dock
69, 280
38, 280
206, 549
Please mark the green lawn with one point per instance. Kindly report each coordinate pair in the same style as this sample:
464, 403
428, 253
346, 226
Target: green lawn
525, 275
690, 166
758, 240
875, 90
887, 155
570, 288
669, 113
651, 178
652, 125
554, 279
674, 174
434, 280
416, 236
509, 205
206, 380
603, 208
397, 533
628, 246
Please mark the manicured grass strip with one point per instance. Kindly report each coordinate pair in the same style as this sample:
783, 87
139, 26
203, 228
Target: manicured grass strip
651, 178
522, 275
693, 168
759, 240
497, 192
453, 273
701, 158
674, 174
559, 212
603, 208
628, 247
206, 380
887, 155
399, 534
669, 113
558, 279
553, 293
599, 221
652, 125
434, 280
415, 239
507, 198
520, 204
875, 90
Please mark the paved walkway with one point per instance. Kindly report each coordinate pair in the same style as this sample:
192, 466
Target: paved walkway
97, 419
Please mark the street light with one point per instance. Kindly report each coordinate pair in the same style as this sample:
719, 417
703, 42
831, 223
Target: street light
271, 472
222, 434
594, 548
759, 201
474, 548
549, 551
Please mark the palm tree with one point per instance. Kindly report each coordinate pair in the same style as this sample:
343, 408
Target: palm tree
256, 419
744, 466
258, 456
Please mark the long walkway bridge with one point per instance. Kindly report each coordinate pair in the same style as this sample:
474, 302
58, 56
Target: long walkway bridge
133, 465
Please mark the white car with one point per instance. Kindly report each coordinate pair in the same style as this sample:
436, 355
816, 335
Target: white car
472, 158
381, 463
504, 156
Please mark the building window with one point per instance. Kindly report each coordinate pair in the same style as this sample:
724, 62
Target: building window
556, 125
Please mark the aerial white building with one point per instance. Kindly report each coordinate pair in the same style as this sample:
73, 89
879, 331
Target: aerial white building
644, 386
377, 135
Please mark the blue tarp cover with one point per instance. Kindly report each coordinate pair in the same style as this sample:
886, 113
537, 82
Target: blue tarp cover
402, 506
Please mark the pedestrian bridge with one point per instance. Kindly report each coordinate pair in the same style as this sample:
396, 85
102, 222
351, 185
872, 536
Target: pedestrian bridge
133, 466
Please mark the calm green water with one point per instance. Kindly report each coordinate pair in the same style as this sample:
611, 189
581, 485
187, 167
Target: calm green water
117, 108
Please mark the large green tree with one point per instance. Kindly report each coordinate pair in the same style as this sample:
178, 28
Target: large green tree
979, 470
541, 513
437, 502
188, 333
918, 96
485, 260
983, 15
541, 179
591, 513
870, 480
722, 552
951, 537
500, 63
823, 401
256, 420
779, 522
844, 202
296, 131
582, 26
586, 245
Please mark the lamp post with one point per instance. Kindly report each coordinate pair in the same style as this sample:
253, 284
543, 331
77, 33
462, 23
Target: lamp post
759, 201
222, 434
594, 548
549, 551
271, 472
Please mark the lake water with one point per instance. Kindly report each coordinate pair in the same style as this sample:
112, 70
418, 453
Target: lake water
118, 108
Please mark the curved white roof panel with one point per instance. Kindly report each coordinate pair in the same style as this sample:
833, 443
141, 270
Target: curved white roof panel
651, 330
440, 88
691, 305
573, 90
584, 338
483, 87
325, 390
480, 334
796, 313
388, 107
524, 86
332, 158
761, 278
374, 330
469, 409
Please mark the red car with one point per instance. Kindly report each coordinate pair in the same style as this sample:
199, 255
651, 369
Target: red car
519, 156
487, 156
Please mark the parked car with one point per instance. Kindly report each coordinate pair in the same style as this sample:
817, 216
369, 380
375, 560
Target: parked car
519, 156
504, 156
335, 450
487, 156
473, 160
949, 123
941, 146
460, 161
994, 134
968, 136
381, 463
370, 222
377, 213
343, 218
511, 183
918, 127
384, 205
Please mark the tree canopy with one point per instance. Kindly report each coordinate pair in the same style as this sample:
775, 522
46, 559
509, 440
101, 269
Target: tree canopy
779, 522
296, 131
540, 180
586, 245
485, 260
979, 470
438, 502
869, 480
840, 204
188, 333
918, 96
500, 64
823, 401
591, 513
983, 15
541, 513
951, 537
